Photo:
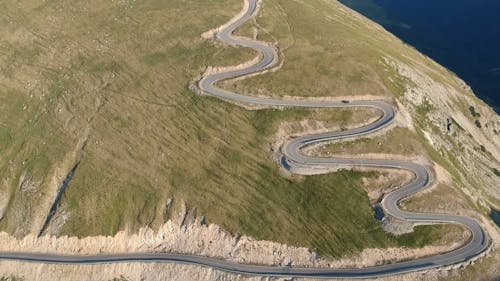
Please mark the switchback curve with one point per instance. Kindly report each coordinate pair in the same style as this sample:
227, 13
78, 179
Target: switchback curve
478, 243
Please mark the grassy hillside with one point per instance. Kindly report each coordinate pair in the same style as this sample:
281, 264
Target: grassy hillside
89, 81
330, 50
106, 84
337, 53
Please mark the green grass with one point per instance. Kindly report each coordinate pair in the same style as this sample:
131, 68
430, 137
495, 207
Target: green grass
119, 81
398, 141
97, 84
315, 50
347, 227
473, 112
496, 172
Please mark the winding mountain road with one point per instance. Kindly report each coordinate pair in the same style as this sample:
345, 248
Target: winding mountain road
477, 244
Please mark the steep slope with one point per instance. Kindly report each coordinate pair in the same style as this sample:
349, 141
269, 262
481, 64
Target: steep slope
120, 170
429, 96
113, 96
442, 118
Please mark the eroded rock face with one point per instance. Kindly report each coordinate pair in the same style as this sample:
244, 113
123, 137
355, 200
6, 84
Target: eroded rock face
194, 238
448, 114
181, 235
395, 226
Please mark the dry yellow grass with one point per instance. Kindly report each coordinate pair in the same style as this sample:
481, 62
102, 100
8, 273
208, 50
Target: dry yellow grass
106, 84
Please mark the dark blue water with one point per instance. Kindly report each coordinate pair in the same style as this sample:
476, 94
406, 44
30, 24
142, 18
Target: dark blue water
462, 35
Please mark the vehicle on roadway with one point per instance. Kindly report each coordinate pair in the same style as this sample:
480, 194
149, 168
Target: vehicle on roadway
293, 158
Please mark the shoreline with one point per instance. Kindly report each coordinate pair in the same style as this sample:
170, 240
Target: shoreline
396, 25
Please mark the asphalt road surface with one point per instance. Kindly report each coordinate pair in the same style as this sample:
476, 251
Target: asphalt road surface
478, 243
